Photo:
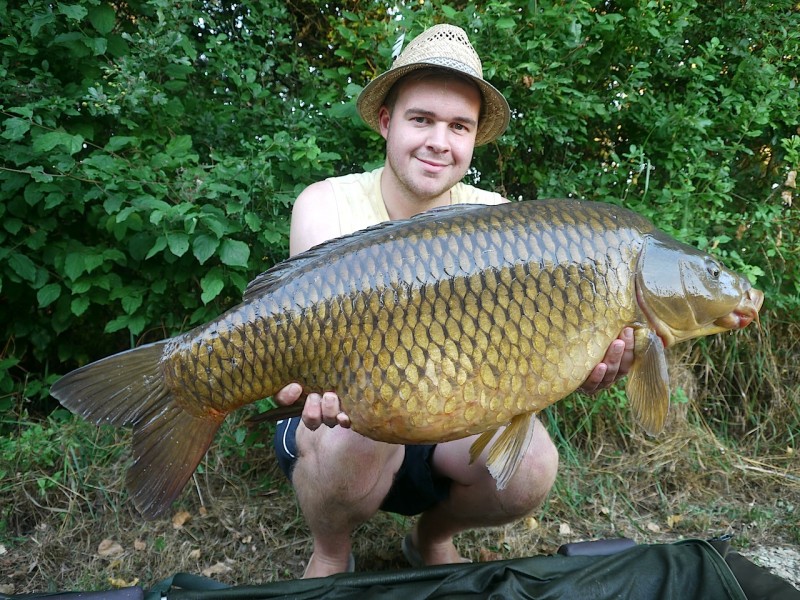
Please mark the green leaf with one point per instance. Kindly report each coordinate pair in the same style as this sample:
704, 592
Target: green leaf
178, 243
203, 247
102, 18
253, 221
113, 203
53, 200
96, 45
48, 294
22, 266
12, 225
120, 141
48, 141
157, 247
79, 305
212, 284
179, 146
39, 21
505, 23
74, 265
116, 324
92, 260
15, 128
214, 224
38, 174
135, 324
102, 162
234, 253
131, 303
73, 11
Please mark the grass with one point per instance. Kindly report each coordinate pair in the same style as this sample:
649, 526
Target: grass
726, 464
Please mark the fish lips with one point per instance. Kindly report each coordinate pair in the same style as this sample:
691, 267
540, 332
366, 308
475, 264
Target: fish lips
745, 313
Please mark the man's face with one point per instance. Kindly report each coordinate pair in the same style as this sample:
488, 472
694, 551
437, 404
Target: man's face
430, 134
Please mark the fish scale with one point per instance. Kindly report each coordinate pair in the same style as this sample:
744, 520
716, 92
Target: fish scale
402, 361
459, 321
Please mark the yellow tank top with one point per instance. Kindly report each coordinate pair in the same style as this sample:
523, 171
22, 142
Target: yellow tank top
359, 201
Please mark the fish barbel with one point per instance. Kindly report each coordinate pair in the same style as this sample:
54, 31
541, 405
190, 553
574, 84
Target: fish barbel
455, 322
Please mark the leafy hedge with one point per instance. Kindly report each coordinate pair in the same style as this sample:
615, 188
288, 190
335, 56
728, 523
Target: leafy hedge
151, 151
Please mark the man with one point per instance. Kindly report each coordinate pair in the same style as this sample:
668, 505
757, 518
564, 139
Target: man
432, 108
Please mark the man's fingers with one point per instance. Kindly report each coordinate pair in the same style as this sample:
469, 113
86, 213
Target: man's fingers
626, 362
612, 360
289, 394
312, 411
330, 409
595, 378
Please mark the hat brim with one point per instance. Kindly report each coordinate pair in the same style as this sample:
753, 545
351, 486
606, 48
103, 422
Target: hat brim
492, 122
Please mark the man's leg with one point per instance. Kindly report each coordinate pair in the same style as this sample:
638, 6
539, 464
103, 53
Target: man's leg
474, 499
340, 478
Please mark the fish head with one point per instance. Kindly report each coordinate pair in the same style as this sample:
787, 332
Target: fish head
685, 293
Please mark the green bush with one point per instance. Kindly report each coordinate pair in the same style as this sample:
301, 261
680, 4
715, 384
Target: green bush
151, 150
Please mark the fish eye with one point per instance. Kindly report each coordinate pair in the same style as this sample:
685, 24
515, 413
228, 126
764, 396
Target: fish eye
713, 267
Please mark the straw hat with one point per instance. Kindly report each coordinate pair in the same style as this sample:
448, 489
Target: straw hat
440, 46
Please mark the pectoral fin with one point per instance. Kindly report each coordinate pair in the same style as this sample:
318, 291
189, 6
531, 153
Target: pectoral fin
648, 382
507, 451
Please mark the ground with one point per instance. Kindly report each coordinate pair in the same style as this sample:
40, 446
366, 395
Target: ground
238, 521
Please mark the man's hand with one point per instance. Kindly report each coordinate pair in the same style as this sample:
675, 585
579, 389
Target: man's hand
318, 409
616, 364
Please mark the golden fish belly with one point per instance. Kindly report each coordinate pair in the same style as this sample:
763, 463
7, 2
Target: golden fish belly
451, 330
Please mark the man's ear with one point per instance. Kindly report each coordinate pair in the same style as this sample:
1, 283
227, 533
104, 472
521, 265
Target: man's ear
384, 116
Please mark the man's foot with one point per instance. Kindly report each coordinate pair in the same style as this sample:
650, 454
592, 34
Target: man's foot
437, 554
322, 567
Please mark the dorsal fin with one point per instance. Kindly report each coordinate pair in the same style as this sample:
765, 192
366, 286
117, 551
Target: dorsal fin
275, 276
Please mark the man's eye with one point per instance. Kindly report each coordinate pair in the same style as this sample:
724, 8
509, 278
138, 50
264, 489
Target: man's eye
459, 127
420, 120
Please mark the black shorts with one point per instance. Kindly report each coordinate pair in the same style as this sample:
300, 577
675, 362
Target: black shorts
415, 488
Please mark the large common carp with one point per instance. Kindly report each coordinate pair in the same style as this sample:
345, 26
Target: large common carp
458, 321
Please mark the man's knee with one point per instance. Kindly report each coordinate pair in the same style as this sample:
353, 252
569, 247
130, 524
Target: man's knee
345, 464
535, 476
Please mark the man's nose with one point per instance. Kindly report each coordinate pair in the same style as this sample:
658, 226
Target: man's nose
438, 138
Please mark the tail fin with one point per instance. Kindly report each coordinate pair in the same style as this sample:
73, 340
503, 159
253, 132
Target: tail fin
128, 389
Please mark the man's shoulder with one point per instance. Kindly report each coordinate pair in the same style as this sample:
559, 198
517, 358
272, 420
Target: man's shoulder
365, 179
464, 193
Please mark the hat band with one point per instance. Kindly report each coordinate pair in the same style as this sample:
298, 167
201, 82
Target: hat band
445, 61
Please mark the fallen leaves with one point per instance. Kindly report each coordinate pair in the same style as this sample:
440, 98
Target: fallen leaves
219, 568
486, 555
674, 520
179, 519
119, 582
109, 549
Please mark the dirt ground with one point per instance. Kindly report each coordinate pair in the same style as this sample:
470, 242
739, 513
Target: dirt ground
783, 561
238, 522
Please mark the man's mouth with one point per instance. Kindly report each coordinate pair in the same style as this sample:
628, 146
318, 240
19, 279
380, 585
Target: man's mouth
434, 164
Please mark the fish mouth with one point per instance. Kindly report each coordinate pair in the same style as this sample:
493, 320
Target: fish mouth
744, 314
